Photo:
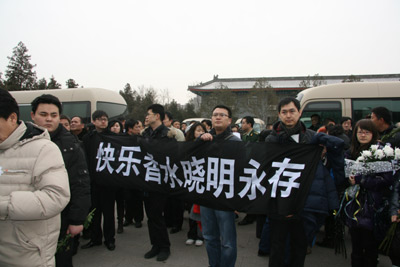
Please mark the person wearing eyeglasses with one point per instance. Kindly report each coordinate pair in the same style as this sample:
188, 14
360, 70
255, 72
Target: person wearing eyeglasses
219, 229
103, 197
362, 212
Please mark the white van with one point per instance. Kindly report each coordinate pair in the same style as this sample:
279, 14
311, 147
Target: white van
75, 102
354, 100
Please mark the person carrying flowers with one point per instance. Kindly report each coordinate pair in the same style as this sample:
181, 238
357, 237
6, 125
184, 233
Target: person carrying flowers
371, 176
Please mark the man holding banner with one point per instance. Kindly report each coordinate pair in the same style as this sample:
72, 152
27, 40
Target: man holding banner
322, 196
154, 202
219, 230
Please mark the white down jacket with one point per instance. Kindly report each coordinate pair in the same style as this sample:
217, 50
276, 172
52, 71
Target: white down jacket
33, 191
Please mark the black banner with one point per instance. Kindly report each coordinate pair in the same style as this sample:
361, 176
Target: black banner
225, 175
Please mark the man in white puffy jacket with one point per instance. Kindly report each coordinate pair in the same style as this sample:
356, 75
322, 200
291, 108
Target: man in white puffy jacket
34, 190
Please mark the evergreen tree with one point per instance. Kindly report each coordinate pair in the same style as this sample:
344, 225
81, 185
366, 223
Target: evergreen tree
71, 83
53, 84
19, 74
41, 84
129, 95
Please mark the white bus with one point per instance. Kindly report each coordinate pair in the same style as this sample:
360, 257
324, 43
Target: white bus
75, 102
354, 100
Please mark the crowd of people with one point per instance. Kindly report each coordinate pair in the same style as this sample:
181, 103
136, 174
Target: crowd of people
48, 187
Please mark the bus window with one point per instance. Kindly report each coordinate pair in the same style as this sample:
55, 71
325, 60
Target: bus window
113, 110
325, 109
81, 109
362, 107
25, 112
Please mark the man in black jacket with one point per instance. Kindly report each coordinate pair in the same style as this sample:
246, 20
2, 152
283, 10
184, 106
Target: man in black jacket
154, 202
322, 196
46, 111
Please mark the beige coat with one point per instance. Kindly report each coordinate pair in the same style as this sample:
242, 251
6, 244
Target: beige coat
33, 191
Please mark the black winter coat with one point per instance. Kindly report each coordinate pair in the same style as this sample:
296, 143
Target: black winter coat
79, 182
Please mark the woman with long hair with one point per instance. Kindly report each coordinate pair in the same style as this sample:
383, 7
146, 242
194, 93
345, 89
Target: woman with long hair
369, 190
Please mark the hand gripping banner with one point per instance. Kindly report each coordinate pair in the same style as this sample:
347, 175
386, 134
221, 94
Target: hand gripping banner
225, 175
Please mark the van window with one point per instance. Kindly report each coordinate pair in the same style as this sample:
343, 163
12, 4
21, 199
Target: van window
113, 110
81, 109
325, 109
362, 107
25, 112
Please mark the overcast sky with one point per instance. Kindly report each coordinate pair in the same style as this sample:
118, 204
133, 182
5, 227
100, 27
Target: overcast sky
172, 44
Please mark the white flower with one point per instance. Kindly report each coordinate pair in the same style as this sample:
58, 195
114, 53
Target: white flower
397, 153
388, 151
374, 148
366, 154
379, 154
360, 158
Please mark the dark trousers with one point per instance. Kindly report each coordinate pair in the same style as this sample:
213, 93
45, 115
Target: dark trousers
134, 206
154, 204
280, 229
103, 199
173, 212
120, 200
364, 248
194, 231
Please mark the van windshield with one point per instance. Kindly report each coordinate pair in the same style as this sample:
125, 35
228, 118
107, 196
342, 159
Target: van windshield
325, 109
113, 110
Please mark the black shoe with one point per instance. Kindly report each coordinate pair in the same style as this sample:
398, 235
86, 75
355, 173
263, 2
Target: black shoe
175, 230
127, 223
262, 253
163, 255
120, 229
110, 246
152, 253
91, 244
138, 224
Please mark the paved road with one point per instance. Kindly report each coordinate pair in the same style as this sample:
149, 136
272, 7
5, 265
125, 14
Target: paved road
134, 243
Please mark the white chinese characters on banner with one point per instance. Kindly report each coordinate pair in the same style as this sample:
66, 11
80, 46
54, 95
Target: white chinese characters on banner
275, 180
211, 174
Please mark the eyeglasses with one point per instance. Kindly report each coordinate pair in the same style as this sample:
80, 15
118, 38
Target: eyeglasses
364, 132
101, 119
148, 114
220, 115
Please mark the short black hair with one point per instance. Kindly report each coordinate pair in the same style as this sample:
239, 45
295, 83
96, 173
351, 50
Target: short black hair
46, 99
169, 114
316, 115
130, 123
65, 117
224, 107
80, 118
8, 105
157, 109
98, 114
249, 119
384, 113
343, 119
208, 122
286, 101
